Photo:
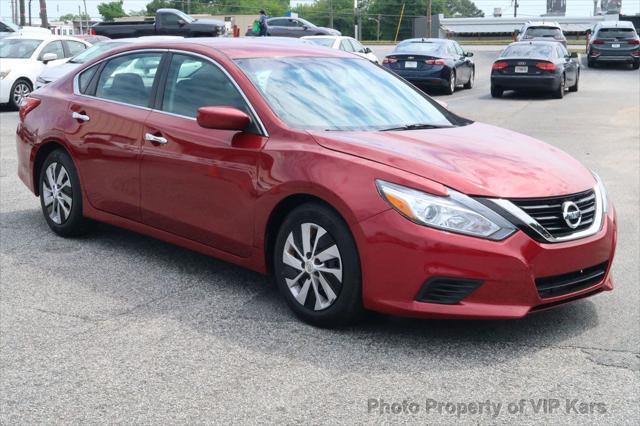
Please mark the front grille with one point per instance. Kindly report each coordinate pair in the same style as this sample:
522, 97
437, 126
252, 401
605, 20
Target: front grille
447, 291
569, 283
548, 211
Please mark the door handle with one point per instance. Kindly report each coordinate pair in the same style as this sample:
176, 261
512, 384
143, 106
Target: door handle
155, 139
78, 116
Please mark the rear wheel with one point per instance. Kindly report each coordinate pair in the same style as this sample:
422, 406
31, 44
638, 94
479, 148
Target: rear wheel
496, 91
317, 268
60, 195
20, 90
559, 92
574, 88
451, 87
591, 63
636, 65
469, 84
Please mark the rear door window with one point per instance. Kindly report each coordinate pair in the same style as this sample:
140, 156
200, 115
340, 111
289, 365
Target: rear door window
346, 46
75, 47
129, 78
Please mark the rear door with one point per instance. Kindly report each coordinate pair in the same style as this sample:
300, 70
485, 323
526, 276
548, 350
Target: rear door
109, 108
570, 66
195, 182
277, 27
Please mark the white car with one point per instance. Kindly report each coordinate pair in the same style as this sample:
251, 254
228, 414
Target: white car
23, 58
54, 72
348, 44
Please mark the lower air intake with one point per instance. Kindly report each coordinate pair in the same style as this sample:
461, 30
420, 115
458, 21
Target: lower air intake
447, 291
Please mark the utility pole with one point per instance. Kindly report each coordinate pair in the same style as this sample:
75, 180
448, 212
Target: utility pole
80, 18
355, 19
430, 34
13, 11
595, 7
44, 22
29, 12
86, 15
378, 27
330, 14
515, 8
23, 21
188, 7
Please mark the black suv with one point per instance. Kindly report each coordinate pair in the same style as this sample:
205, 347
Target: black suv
614, 41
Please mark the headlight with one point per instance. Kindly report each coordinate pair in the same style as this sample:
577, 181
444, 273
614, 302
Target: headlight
4, 73
455, 212
603, 192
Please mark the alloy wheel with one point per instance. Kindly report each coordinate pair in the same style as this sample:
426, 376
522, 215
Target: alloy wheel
57, 193
315, 265
452, 83
20, 91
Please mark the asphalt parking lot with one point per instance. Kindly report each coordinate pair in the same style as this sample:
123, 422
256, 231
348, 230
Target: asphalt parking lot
118, 327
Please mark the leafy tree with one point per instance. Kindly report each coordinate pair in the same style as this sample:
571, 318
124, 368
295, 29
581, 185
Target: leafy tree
71, 17
112, 10
463, 9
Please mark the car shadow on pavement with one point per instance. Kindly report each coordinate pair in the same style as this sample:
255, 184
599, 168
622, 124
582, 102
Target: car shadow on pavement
115, 278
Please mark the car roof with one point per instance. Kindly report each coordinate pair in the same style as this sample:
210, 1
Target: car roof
542, 24
245, 47
425, 40
553, 43
35, 36
616, 24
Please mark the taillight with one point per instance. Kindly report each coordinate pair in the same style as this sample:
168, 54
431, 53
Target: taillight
435, 61
389, 60
598, 41
27, 105
92, 31
634, 42
499, 65
547, 66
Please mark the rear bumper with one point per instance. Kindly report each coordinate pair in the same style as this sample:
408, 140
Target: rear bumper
614, 56
549, 82
438, 77
398, 257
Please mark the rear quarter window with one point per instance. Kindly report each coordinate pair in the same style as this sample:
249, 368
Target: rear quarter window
84, 79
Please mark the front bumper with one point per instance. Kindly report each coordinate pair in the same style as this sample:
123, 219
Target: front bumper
550, 82
5, 90
398, 257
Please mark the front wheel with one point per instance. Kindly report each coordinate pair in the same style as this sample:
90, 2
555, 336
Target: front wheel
574, 88
60, 195
20, 90
317, 268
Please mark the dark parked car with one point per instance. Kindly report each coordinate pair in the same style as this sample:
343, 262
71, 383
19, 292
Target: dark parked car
614, 41
166, 22
432, 62
535, 65
293, 27
547, 31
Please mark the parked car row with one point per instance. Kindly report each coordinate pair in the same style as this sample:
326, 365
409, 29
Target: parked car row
354, 189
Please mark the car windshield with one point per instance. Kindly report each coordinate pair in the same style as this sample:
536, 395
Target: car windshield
18, 47
528, 51
340, 94
419, 47
616, 33
95, 51
9, 27
327, 42
543, 32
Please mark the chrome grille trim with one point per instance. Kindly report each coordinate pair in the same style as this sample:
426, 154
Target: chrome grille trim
594, 227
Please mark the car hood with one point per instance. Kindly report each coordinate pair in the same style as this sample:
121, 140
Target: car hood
477, 159
15, 63
55, 72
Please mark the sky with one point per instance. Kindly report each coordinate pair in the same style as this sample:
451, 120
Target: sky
527, 8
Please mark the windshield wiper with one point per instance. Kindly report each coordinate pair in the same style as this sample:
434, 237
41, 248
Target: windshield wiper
416, 126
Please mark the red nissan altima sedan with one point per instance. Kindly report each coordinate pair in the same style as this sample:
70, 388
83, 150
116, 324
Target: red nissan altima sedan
350, 186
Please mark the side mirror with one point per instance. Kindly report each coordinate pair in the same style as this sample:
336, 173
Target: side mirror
48, 57
304, 27
573, 55
468, 54
443, 104
181, 22
222, 118
366, 50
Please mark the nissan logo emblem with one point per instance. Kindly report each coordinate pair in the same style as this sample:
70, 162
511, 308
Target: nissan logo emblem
571, 214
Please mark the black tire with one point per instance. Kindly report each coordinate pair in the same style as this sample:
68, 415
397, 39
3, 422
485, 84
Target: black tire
451, 86
559, 92
636, 65
24, 87
469, 84
496, 91
315, 305
591, 63
574, 88
69, 221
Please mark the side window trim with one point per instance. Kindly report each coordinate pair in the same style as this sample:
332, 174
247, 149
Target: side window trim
157, 95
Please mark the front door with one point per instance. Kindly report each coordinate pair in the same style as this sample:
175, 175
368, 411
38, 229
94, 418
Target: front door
195, 182
110, 112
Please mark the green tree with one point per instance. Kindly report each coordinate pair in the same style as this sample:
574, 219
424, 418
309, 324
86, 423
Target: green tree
112, 10
463, 9
71, 17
